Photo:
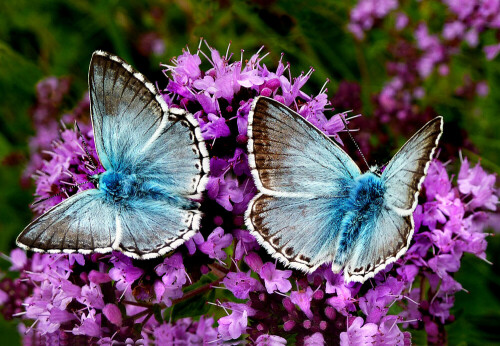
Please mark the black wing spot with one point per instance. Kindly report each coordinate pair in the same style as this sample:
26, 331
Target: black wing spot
305, 258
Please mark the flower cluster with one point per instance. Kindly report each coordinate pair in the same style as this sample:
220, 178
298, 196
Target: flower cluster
415, 60
110, 297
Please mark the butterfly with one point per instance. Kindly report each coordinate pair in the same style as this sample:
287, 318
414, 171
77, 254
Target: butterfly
315, 206
156, 163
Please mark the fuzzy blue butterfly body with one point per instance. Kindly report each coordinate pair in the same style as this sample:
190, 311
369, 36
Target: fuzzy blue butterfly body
156, 166
315, 206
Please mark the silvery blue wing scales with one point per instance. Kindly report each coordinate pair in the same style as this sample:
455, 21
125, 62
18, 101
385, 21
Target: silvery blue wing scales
156, 166
314, 205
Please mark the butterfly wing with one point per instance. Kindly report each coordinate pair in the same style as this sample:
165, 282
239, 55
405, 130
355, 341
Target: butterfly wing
150, 228
303, 177
135, 132
299, 231
387, 237
84, 222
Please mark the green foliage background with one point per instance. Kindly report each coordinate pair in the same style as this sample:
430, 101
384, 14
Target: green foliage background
44, 38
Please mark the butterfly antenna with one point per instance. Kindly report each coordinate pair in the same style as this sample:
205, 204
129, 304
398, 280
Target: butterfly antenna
63, 190
354, 141
85, 147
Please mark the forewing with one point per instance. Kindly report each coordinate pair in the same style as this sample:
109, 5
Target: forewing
290, 156
149, 228
299, 231
85, 223
136, 133
405, 173
381, 242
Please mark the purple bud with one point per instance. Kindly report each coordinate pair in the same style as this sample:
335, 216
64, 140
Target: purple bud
318, 295
273, 84
254, 261
241, 139
288, 305
340, 324
323, 325
229, 109
238, 221
218, 220
288, 325
302, 283
330, 312
204, 269
113, 314
279, 98
98, 277
266, 92
262, 297
85, 277
317, 281
307, 324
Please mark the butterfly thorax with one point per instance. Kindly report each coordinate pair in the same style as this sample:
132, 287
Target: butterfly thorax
118, 185
364, 204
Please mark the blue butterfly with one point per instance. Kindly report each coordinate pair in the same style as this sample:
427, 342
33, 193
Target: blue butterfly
314, 205
156, 167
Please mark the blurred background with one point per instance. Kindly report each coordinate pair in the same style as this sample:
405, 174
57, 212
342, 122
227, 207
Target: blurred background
396, 63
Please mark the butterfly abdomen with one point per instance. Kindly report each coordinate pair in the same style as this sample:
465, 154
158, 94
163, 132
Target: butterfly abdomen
363, 205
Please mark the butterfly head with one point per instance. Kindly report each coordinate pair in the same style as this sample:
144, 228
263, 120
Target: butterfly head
376, 170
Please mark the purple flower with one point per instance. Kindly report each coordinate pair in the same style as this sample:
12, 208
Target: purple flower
18, 259
481, 185
123, 272
359, 334
240, 284
232, 326
316, 339
389, 333
225, 190
91, 325
270, 340
275, 279
303, 300
245, 243
91, 295
172, 270
442, 264
215, 127
216, 242
492, 51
